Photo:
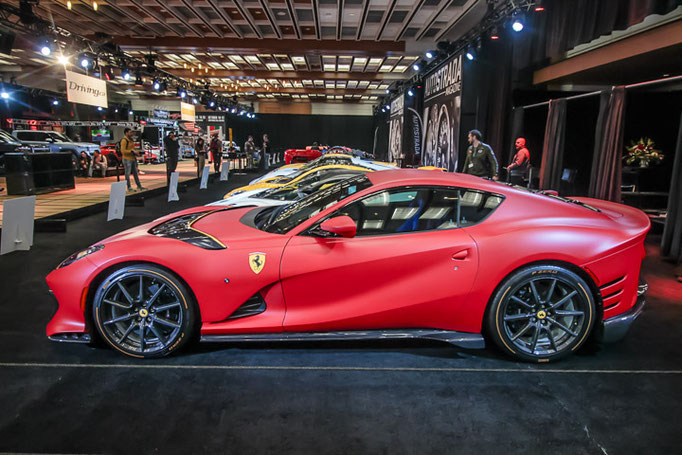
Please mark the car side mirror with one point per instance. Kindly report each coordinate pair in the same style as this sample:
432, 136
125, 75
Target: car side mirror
341, 225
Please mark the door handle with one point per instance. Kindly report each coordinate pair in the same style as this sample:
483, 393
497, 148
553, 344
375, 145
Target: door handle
460, 255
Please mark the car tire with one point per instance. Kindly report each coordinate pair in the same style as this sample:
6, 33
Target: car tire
144, 311
541, 313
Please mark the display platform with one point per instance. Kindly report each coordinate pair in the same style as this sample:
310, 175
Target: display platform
95, 190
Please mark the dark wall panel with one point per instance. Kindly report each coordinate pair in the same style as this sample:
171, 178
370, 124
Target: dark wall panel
289, 131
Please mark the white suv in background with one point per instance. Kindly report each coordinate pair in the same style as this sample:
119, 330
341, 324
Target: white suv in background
55, 141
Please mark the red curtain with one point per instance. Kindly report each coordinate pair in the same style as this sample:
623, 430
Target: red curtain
606, 175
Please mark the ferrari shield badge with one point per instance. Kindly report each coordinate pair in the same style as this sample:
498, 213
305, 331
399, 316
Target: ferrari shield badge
257, 262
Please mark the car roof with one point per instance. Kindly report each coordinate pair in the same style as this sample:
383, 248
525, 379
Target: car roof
429, 177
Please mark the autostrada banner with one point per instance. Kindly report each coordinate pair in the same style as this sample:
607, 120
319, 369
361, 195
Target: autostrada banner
442, 109
395, 134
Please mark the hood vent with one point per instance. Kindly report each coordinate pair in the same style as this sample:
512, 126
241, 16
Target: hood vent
254, 305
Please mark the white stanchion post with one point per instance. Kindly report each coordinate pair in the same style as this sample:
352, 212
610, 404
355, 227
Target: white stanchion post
117, 201
225, 172
17, 224
204, 178
173, 187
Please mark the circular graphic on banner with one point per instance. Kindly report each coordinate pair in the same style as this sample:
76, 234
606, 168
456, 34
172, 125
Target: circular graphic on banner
431, 137
444, 144
394, 149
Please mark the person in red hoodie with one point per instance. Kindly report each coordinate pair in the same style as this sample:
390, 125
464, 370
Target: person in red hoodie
521, 163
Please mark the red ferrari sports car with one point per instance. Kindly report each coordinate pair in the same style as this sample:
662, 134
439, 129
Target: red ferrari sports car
309, 153
391, 254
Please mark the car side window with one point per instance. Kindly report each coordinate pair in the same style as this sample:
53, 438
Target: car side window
419, 209
476, 205
403, 210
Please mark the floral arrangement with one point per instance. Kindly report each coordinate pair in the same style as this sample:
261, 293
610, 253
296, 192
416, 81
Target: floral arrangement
643, 153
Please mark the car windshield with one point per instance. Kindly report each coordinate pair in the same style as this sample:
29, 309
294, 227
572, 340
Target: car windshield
306, 187
282, 219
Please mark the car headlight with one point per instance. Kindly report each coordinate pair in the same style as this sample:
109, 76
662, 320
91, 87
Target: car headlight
80, 255
180, 228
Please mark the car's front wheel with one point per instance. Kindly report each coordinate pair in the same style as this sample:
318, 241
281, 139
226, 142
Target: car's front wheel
541, 313
143, 311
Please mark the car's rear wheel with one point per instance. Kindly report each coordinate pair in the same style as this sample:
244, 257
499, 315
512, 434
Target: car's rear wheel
143, 311
541, 313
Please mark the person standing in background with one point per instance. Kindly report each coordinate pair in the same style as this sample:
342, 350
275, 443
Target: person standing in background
129, 158
172, 147
480, 160
200, 151
521, 163
216, 148
265, 152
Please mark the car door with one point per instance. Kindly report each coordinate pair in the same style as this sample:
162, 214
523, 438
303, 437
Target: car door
408, 266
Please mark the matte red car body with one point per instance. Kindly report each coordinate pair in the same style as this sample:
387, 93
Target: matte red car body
301, 155
439, 279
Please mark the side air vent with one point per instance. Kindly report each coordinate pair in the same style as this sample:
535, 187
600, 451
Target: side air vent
255, 305
612, 292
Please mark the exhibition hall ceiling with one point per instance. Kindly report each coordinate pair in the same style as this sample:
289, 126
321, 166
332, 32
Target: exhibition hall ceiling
327, 50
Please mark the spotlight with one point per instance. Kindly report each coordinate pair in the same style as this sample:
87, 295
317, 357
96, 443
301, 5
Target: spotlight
388, 90
116, 110
130, 112
125, 74
387, 107
4, 94
195, 100
156, 85
211, 103
233, 110
94, 6
416, 67
99, 108
494, 35
517, 25
46, 47
429, 55
62, 59
182, 92
55, 102
410, 93
85, 60
470, 55
383, 109
242, 112
68, 5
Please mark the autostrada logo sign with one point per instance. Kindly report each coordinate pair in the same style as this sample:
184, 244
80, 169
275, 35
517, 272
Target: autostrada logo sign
446, 80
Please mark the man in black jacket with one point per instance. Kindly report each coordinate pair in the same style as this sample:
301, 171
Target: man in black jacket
480, 160
172, 149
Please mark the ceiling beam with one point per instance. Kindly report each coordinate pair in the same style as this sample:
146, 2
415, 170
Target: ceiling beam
220, 12
261, 46
247, 17
316, 19
384, 22
433, 19
184, 21
298, 75
363, 19
294, 19
154, 15
271, 19
413, 12
198, 13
